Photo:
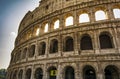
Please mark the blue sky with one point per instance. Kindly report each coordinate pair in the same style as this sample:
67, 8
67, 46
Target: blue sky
11, 13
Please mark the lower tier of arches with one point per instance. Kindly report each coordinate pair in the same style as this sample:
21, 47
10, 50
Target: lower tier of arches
66, 70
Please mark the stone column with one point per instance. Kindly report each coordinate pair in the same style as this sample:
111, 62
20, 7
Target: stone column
61, 22
60, 44
32, 73
110, 13
45, 74
76, 19
91, 15
96, 43
78, 74
27, 53
76, 42
100, 74
47, 47
24, 73
59, 72
116, 37
36, 49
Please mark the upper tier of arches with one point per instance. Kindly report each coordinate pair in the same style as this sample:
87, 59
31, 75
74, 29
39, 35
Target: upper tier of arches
101, 14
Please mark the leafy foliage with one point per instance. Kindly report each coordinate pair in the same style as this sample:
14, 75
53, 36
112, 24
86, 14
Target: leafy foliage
2, 73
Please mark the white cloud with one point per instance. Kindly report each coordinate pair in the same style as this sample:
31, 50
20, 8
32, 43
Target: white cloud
13, 34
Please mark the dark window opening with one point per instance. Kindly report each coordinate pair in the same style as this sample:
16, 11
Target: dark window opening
24, 53
28, 74
111, 73
20, 75
54, 46
32, 51
69, 46
42, 48
89, 73
86, 43
38, 73
69, 73
105, 41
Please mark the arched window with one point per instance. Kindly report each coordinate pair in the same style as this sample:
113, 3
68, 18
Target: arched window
32, 51
46, 27
54, 46
11, 74
42, 48
69, 21
86, 43
89, 72
84, 18
37, 31
15, 75
24, 53
69, 44
105, 41
69, 73
28, 74
20, 75
18, 55
52, 72
38, 73
100, 15
116, 13
111, 72
56, 24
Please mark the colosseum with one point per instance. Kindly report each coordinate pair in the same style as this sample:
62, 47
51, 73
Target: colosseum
68, 39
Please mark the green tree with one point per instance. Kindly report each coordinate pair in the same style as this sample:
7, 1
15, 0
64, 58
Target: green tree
3, 73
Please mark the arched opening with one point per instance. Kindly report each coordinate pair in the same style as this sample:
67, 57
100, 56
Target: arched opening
52, 72
42, 48
38, 73
54, 46
37, 31
69, 46
11, 74
86, 43
105, 41
111, 72
24, 53
32, 51
89, 73
15, 75
100, 15
56, 24
69, 73
69, 21
20, 75
28, 74
46, 27
84, 18
116, 12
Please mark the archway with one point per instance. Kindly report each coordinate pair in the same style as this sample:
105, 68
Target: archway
42, 48
105, 41
52, 72
89, 72
38, 73
86, 43
111, 72
54, 46
69, 44
28, 74
69, 73
20, 74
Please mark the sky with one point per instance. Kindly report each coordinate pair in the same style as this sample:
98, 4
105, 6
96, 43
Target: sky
11, 13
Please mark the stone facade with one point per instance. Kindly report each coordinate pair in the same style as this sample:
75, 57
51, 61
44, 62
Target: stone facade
79, 50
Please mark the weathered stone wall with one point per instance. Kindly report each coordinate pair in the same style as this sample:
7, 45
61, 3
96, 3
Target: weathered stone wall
47, 12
